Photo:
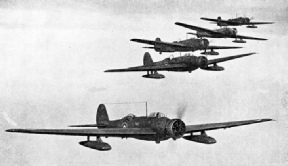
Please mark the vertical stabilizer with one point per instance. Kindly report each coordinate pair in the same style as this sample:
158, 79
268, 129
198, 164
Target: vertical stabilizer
147, 60
102, 117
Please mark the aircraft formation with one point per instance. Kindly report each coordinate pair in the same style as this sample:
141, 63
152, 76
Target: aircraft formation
189, 62
157, 127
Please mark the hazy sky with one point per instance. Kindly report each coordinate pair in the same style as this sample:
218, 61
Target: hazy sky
52, 59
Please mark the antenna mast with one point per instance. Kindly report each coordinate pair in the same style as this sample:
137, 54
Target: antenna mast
146, 110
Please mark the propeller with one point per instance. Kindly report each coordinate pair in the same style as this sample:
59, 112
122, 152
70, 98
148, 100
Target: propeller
181, 110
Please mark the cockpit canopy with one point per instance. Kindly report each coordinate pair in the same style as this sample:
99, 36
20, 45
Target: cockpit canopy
157, 114
129, 116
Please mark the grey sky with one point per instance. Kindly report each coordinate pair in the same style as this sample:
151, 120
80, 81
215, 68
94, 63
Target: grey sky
52, 59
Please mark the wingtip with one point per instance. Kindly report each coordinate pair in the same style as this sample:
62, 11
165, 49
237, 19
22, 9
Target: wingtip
12, 130
134, 40
266, 120
252, 53
9, 130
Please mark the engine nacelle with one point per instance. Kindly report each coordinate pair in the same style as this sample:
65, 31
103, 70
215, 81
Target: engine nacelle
175, 128
200, 139
102, 146
202, 61
154, 76
214, 68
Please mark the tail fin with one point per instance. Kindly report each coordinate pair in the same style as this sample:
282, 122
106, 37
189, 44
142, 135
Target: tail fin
102, 117
147, 60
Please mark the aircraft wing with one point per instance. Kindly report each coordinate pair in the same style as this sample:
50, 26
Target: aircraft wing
153, 42
195, 28
259, 23
150, 68
235, 23
247, 37
222, 21
111, 132
209, 19
222, 47
214, 126
218, 60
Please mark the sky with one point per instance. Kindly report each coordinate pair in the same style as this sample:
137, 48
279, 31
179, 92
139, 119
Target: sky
52, 59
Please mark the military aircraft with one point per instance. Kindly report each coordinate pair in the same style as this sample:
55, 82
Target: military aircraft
155, 127
224, 32
236, 22
182, 46
178, 64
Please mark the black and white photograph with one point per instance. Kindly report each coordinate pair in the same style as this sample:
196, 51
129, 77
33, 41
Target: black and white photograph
156, 82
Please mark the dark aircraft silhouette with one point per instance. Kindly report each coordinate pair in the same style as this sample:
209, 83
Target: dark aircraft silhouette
236, 22
156, 127
181, 64
182, 46
218, 33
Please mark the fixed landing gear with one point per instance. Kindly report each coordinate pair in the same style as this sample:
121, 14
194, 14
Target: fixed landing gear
212, 52
239, 41
154, 75
251, 26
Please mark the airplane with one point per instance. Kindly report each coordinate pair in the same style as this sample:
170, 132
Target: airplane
183, 46
224, 32
178, 64
155, 127
236, 22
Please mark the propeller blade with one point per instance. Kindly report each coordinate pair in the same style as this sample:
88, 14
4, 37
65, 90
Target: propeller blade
181, 110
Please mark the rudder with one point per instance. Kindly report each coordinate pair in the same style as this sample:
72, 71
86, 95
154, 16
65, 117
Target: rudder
147, 60
102, 117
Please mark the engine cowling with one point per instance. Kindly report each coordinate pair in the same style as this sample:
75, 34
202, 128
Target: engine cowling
202, 61
102, 146
175, 128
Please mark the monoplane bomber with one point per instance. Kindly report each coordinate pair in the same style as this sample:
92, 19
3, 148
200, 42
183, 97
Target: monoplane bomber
224, 32
238, 21
183, 46
156, 127
186, 63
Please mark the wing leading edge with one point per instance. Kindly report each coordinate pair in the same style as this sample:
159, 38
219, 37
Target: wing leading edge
218, 60
214, 126
112, 132
150, 68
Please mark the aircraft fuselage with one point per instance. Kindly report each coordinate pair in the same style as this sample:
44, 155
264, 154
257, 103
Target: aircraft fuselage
161, 126
224, 32
192, 45
192, 62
